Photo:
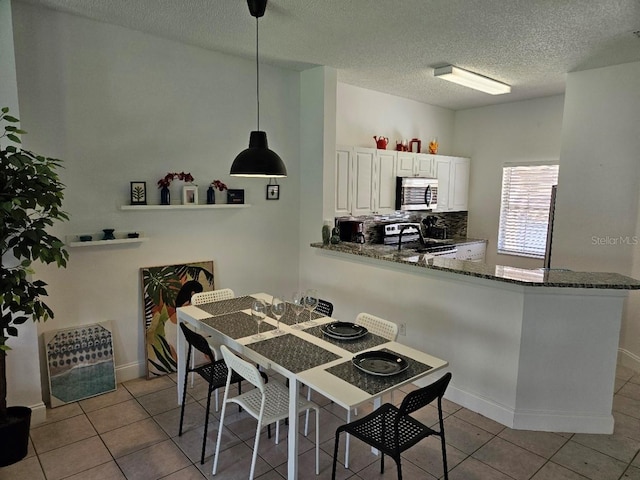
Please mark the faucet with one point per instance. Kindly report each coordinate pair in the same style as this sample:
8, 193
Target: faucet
417, 226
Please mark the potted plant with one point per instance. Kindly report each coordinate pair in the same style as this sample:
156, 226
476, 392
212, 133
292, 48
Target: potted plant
31, 197
164, 182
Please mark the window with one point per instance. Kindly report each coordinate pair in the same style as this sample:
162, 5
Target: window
524, 212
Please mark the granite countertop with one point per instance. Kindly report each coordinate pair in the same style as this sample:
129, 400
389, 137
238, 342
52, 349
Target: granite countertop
502, 273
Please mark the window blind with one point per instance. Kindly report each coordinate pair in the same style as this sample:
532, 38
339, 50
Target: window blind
524, 211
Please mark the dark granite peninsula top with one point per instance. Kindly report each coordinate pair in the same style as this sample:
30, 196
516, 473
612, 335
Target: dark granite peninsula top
520, 276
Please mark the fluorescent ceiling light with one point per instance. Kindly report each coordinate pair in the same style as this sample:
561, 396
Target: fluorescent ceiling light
471, 80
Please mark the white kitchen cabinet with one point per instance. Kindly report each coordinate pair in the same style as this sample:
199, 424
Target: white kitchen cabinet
365, 181
453, 183
363, 178
472, 252
410, 164
384, 197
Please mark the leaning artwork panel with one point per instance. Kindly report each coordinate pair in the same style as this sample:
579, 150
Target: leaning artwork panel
164, 289
80, 362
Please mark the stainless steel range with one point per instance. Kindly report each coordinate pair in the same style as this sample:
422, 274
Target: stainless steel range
408, 236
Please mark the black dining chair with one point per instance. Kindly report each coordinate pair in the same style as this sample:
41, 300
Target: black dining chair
324, 307
214, 372
393, 430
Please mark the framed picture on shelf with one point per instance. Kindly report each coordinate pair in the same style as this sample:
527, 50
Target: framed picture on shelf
273, 192
138, 193
190, 195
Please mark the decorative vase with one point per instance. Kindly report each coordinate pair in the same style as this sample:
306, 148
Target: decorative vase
165, 196
108, 234
211, 196
326, 234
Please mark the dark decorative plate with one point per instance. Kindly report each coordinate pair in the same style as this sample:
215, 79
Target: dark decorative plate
344, 330
380, 363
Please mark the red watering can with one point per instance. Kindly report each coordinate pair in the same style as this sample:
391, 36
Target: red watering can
381, 142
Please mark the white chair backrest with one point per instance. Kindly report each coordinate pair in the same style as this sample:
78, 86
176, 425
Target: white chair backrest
378, 326
212, 296
246, 370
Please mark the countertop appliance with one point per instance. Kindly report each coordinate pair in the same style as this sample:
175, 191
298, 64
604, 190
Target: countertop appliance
351, 231
416, 193
407, 236
434, 229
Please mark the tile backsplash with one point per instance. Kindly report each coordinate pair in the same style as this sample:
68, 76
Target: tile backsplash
456, 222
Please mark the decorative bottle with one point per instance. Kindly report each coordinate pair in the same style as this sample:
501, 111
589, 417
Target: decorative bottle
165, 196
211, 195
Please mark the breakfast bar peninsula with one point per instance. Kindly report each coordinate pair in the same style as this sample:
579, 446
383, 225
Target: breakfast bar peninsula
531, 349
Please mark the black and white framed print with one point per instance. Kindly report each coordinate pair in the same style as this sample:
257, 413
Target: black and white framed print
138, 193
273, 192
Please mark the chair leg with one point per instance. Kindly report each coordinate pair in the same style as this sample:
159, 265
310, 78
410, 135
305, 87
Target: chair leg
444, 457
219, 439
184, 399
206, 426
382, 463
255, 450
335, 455
399, 468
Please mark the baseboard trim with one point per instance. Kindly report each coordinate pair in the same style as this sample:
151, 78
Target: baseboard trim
543, 421
628, 359
130, 371
38, 413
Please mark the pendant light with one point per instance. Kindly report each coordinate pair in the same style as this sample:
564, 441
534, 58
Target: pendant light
258, 160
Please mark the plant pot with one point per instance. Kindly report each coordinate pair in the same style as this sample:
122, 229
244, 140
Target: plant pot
14, 435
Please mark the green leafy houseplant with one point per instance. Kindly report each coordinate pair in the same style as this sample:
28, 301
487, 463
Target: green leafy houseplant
31, 197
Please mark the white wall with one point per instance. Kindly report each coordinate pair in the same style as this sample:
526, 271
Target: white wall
597, 214
492, 136
363, 113
23, 381
119, 105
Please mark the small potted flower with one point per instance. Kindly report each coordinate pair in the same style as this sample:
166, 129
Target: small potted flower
215, 185
163, 184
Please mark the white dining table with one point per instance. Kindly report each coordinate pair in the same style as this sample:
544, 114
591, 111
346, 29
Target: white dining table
322, 367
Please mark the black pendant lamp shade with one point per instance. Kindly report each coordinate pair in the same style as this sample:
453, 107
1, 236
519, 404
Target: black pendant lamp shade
258, 160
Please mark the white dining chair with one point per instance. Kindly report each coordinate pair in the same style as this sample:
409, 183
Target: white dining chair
378, 326
267, 403
385, 329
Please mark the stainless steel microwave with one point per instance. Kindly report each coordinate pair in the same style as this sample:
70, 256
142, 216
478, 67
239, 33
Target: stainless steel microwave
416, 193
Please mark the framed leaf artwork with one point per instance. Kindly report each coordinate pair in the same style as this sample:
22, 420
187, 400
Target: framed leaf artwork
164, 289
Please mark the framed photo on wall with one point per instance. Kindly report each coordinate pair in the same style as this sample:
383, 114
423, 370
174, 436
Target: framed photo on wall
138, 193
190, 195
273, 192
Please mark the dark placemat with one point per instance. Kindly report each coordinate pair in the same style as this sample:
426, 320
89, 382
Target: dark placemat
289, 318
374, 384
368, 341
237, 325
293, 353
227, 306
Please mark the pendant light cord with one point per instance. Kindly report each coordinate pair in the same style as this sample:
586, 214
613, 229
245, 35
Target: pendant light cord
257, 75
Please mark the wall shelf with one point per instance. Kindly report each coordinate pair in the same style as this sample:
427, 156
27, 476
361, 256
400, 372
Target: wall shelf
184, 207
121, 238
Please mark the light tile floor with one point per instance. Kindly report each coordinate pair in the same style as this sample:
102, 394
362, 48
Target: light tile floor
132, 433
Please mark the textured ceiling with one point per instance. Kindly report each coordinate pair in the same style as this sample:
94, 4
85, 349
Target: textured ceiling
392, 46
